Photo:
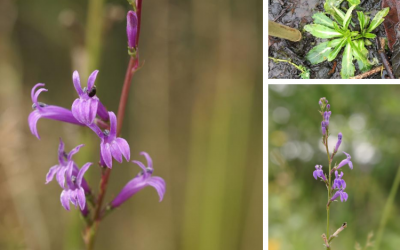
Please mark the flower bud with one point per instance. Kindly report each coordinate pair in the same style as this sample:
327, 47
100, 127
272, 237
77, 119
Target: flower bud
131, 29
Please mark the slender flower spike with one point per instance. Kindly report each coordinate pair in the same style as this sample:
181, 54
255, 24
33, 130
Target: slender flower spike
318, 172
65, 163
42, 110
346, 161
87, 105
343, 196
74, 191
132, 29
142, 180
112, 146
339, 141
339, 183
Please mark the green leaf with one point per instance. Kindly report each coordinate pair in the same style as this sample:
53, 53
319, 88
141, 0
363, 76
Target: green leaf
378, 19
368, 42
347, 17
340, 13
361, 19
329, 4
369, 35
321, 31
360, 53
334, 42
319, 53
337, 49
321, 18
337, 28
354, 2
348, 68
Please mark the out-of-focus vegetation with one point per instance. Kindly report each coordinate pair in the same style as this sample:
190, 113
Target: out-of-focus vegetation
369, 118
195, 107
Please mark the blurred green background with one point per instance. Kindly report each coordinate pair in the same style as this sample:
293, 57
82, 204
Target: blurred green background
195, 107
369, 118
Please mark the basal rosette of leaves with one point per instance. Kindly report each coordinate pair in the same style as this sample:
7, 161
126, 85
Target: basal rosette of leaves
341, 31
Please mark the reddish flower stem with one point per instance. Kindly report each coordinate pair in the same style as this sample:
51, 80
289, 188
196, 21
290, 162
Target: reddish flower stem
132, 67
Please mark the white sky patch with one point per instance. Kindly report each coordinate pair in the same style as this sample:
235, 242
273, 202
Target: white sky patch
281, 115
357, 122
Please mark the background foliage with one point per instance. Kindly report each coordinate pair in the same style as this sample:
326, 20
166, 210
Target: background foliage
369, 118
195, 106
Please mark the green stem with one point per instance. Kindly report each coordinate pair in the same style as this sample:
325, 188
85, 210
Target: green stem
329, 185
386, 210
287, 61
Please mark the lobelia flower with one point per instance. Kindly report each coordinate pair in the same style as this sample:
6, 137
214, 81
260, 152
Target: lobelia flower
346, 161
111, 146
339, 183
338, 142
65, 163
318, 172
343, 196
42, 110
327, 115
132, 29
142, 180
328, 107
74, 192
87, 106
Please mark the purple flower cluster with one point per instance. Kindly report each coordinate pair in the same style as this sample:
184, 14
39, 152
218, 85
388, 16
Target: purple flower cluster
319, 173
87, 110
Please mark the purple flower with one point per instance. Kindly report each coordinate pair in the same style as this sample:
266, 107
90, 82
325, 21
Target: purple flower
338, 142
327, 115
132, 28
328, 107
339, 183
343, 196
142, 180
65, 163
74, 192
323, 128
87, 105
42, 110
318, 172
112, 146
346, 161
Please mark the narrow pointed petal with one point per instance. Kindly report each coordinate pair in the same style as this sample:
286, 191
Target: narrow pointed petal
141, 166
315, 174
81, 198
74, 151
124, 147
34, 100
50, 175
92, 79
35, 97
350, 165
159, 184
131, 188
64, 198
82, 172
106, 154
73, 197
77, 83
113, 126
148, 158
61, 149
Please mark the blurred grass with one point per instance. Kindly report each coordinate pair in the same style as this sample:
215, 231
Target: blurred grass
195, 106
368, 117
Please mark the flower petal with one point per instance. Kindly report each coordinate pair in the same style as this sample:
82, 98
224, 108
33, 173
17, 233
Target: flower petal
33, 118
81, 173
106, 154
34, 99
92, 79
81, 198
77, 83
113, 126
148, 158
74, 151
141, 166
315, 174
61, 176
64, 198
115, 151
50, 175
350, 165
159, 184
124, 147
